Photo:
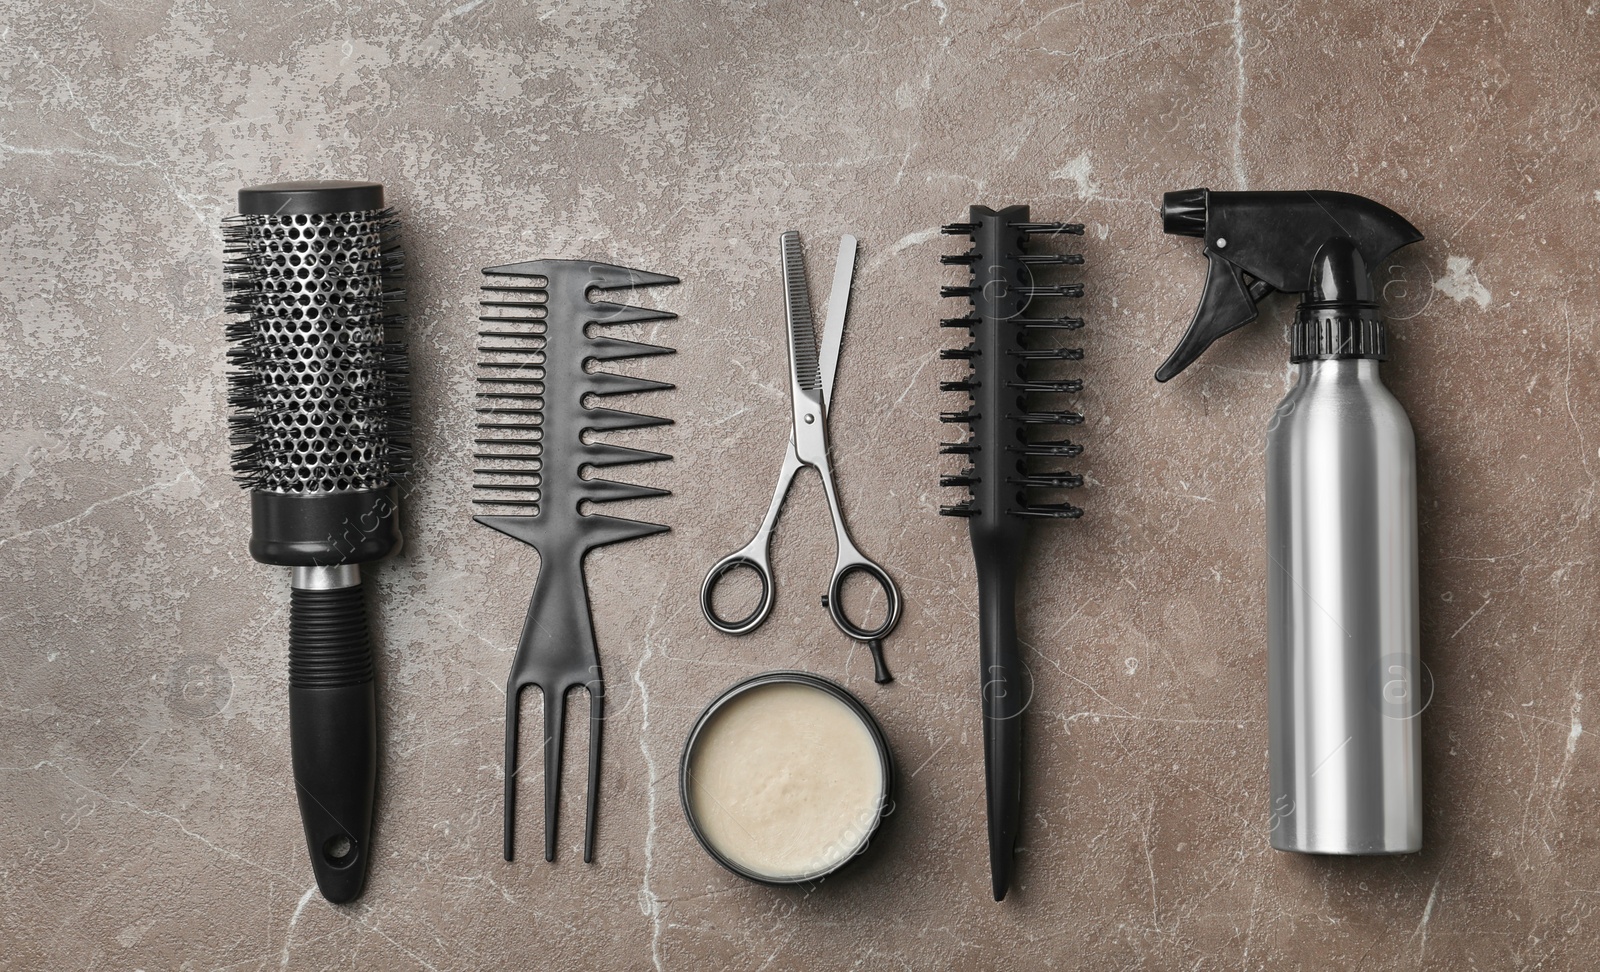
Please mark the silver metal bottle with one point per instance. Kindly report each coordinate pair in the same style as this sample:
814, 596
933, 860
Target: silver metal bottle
1345, 690
1345, 684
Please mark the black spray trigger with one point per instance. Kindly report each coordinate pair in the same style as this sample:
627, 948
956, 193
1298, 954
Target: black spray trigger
1316, 243
1228, 304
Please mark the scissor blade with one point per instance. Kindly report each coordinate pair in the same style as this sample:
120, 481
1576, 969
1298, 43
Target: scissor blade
838, 306
797, 305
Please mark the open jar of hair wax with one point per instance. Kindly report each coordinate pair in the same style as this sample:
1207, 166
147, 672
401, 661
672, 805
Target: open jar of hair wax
785, 778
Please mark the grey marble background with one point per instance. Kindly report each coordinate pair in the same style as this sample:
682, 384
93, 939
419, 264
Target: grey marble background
147, 817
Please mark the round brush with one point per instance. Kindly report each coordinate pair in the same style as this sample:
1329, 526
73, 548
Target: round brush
319, 430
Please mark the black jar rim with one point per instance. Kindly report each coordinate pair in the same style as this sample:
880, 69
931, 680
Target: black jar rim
787, 677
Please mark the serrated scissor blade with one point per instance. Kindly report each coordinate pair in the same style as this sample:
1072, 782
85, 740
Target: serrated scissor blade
803, 364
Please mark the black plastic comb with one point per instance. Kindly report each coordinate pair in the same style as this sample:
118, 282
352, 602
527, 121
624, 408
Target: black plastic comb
529, 456
1015, 447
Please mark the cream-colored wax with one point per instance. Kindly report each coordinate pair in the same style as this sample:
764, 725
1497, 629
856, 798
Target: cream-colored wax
785, 781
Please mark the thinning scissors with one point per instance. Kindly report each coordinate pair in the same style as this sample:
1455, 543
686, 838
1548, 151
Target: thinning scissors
811, 374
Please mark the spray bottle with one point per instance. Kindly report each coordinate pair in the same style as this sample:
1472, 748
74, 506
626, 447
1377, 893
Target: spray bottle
1343, 669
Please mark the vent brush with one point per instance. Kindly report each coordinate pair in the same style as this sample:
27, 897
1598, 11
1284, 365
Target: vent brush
533, 388
319, 432
1015, 449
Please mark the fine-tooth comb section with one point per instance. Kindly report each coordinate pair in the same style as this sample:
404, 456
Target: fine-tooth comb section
536, 402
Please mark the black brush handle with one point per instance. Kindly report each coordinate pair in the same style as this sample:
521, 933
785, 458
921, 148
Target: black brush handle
333, 734
1005, 697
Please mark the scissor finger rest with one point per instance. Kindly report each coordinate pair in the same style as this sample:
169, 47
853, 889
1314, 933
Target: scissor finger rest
708, 591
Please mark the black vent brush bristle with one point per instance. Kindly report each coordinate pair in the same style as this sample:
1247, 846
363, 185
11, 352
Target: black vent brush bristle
319, 431
533, 391
1015, 448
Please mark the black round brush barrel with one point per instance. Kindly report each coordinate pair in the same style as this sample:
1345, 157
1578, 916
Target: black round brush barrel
319, 435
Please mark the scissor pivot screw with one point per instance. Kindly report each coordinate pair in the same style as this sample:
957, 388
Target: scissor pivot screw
810, 418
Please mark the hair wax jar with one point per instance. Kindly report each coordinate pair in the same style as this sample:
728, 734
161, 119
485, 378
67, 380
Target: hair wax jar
785, 777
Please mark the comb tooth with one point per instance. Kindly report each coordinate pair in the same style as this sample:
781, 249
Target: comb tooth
606, 383
603, 312
1050, 259
958, 448
511, 396
959, 480
958, 229
1071, 229
511, 334
959, 354
510, 426
602, 455
958, 259
959, 322
606, 491
1065, 386
537, 444
1061, 447
1049, 481
514, 319
507, 410
962, 291
959, 509
1054, 511
1050, 323
513, 303
616, 349
513, 288
537, 349
958, 418
605, 276
1048, 418
533, 376
1053, 290
613, 420
528, 368
1047, 354
533, 458
965, 384
601, 529
532, 487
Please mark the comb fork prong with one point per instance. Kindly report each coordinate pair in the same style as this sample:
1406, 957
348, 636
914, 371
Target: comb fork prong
511, 773
597, 705
555, 710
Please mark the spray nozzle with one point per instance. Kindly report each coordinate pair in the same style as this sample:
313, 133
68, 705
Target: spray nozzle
1322, 244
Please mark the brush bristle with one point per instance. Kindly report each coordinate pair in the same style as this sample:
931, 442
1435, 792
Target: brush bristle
318, 383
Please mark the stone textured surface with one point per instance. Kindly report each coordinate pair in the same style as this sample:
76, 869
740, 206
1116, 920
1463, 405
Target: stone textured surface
148, 813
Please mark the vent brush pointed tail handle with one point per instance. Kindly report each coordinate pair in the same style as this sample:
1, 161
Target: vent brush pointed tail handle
1004, 699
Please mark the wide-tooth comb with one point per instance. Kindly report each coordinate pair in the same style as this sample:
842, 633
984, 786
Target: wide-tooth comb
1009, 408
528, 460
